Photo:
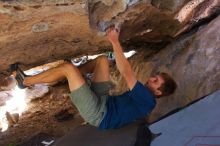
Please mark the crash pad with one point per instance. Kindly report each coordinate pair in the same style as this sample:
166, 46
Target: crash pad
196, 125
92, 136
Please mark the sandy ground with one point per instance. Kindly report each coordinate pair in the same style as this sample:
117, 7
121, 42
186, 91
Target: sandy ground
40, 118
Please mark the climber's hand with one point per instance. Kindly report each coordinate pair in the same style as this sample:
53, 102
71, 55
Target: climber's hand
112, 34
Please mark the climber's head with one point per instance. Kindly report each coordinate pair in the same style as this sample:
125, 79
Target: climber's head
161, 84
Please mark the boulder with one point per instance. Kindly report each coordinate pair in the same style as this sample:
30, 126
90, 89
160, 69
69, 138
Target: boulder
37, 32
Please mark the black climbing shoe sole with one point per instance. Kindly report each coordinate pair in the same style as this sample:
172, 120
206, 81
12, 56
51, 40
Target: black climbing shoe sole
20, 75
20, 80
13, 67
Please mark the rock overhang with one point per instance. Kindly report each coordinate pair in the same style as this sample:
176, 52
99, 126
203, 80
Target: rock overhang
36, 32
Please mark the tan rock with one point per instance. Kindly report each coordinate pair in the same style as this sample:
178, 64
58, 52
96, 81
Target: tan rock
36, 32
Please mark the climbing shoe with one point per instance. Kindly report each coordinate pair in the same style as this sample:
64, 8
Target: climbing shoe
20, 81
20, 75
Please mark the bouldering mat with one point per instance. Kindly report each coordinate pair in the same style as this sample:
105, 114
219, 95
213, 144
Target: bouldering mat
92, 136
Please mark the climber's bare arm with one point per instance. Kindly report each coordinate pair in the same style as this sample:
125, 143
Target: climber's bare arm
122, 63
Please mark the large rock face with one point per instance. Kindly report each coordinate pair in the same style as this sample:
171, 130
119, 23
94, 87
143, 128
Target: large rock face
36, 32
193, 60
180, 37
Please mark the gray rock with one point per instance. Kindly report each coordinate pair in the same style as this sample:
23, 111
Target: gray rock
40, 27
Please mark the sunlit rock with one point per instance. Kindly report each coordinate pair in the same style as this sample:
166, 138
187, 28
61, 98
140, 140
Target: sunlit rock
12, 118
36, 91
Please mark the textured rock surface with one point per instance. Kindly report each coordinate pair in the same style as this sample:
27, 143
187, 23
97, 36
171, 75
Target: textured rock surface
37, 35
193, 60
37, 32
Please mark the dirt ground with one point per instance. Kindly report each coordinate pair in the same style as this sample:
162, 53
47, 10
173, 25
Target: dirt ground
40, 118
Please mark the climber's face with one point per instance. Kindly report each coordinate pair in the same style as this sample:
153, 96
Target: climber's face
154, 83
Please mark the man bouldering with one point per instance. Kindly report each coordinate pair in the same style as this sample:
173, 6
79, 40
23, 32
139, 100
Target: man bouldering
93, 103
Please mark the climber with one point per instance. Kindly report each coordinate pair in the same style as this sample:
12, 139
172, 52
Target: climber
93, 103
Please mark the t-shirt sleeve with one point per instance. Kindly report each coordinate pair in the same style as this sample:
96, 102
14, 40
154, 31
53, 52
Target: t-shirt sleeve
142, 95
